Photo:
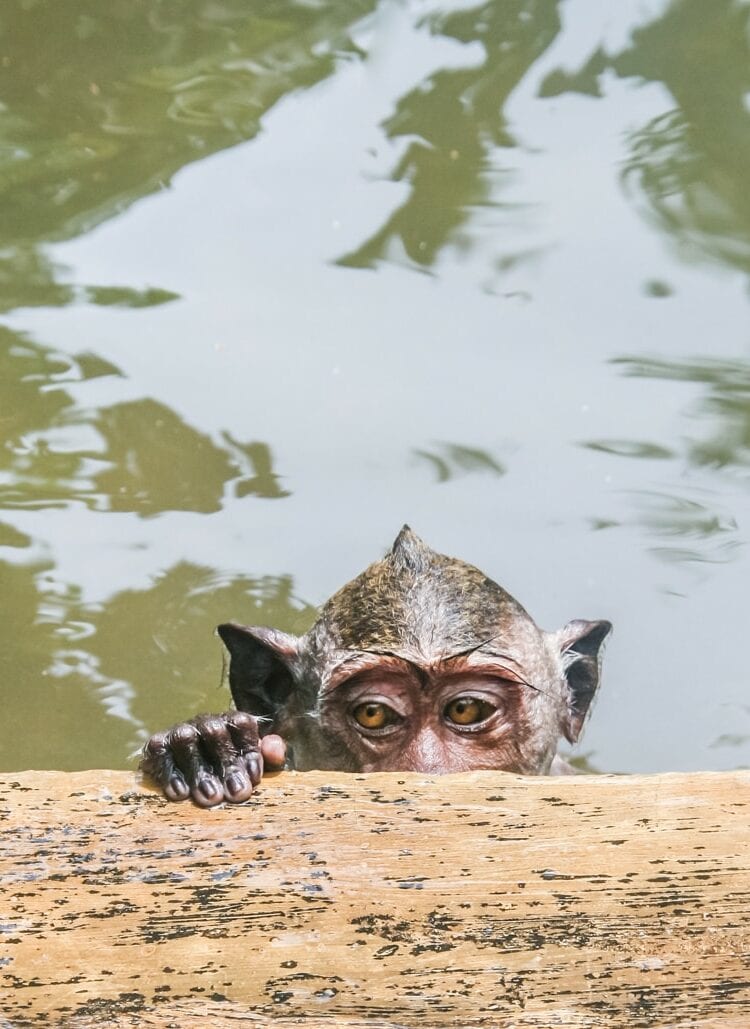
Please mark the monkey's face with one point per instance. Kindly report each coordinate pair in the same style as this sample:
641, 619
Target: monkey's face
403, 720
421, 663
468, 712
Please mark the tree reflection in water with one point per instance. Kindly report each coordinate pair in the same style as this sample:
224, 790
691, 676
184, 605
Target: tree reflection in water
145, 658
103, 105
689, 166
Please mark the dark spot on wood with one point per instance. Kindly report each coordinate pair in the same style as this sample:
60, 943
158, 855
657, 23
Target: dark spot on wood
385, 952
423, 948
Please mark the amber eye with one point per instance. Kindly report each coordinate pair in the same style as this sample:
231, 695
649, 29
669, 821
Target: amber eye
373, 715
468, 711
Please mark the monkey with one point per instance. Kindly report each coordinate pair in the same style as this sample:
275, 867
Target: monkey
421, 663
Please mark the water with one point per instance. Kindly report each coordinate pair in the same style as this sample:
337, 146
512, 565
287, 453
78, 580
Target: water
277, 278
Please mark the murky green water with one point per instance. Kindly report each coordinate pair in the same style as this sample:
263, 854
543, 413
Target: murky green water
277, 277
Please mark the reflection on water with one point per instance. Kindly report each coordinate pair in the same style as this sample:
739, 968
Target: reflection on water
713, 537
44, 715
681, 529
144, 659
155, 462
574, 393
137, 456
448, 460
741, 714
689, 164
692, 163
680, 516
103, 105
629, 448
724, 406
453, 125
256, 462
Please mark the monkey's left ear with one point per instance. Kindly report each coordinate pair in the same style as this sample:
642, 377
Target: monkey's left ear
260, 667
581, 648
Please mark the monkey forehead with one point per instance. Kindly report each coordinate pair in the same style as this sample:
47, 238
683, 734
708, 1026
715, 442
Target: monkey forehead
378, 667
436, 608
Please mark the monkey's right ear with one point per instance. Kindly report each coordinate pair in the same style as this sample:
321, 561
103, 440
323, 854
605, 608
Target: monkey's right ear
260, 662
581, 643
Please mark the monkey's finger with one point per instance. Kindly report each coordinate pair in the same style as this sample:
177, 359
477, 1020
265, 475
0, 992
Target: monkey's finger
273, 749
244, 731
228, 764
158, 764
184, 743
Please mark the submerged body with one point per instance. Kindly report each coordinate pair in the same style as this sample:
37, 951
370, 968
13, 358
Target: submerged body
421, 663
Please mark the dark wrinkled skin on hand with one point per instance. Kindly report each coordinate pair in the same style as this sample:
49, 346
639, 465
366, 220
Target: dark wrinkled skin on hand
211, 758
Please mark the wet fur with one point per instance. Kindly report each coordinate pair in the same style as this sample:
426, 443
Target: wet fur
421, 612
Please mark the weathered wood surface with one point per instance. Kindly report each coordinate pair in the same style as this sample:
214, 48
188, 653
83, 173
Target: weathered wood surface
377, 902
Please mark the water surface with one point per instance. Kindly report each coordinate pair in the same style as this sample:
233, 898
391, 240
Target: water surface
276, 278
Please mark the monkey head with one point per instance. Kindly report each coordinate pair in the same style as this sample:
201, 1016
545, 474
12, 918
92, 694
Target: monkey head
421, 663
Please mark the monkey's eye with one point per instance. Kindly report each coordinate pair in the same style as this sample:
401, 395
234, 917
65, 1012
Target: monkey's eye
373, 715
468, 711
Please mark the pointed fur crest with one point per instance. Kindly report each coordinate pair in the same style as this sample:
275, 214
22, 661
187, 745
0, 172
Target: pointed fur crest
410, 552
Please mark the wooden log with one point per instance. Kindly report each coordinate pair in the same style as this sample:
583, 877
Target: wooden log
377, 902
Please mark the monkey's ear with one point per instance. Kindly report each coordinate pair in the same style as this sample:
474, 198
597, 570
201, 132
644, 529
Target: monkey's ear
581, 649
260, 662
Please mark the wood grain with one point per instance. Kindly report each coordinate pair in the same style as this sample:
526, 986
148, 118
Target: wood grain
378, 902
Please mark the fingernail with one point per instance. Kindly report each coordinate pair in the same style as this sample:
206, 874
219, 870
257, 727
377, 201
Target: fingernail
255, 768
178, 786
236, 783
209, 788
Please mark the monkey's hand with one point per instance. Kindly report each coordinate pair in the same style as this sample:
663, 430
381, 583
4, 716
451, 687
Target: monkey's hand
212, 758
